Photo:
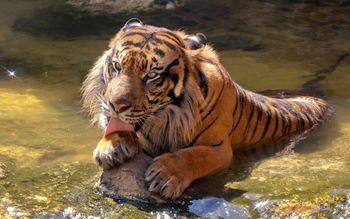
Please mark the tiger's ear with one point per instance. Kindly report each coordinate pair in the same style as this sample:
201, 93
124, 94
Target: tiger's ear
196, 41
132, 23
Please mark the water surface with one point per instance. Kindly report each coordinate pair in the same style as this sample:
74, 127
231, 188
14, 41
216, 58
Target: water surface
46, 143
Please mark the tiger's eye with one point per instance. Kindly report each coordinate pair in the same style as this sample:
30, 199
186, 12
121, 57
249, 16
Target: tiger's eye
116, 67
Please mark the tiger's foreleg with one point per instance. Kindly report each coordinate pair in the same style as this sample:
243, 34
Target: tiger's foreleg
171, 173
115, 149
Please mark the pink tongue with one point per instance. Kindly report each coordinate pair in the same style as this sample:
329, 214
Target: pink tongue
116, 125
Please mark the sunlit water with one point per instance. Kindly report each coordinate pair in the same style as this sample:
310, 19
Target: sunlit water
46, 143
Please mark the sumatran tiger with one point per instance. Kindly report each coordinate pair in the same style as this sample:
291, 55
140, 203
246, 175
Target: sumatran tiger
169, 92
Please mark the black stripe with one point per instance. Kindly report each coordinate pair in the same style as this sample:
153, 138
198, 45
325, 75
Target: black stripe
250, 117
242, 103
222, 87
154, 60
171, 46
152, 101
175, 100
283, 118
268, 120
158, 68
311, 114
195, 139
134, 116
258, 107
168, 37
156, 93
145, 152
283, 114
203, 85
140, 44
173, 63
235, 110
288, 106
174, 78
237, 96
175, 37
219, 144
157, 40
159, 52
128, 43
145, 64
125, 48
276, 123
303, 111
136, 111
208, 103
159, 82
289, 125
299, 117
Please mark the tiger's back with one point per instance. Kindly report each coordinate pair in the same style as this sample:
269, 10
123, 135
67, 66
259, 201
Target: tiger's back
248, 117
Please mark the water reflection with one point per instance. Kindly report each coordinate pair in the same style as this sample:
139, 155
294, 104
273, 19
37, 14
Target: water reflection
9, 73
217, 208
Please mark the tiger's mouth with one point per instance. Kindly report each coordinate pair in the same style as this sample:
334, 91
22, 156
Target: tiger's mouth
117, 125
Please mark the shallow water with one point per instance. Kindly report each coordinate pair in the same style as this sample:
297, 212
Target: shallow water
46, 143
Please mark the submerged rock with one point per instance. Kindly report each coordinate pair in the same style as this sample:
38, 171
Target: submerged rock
126, 180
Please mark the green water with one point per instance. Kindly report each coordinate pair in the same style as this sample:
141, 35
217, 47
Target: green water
46, 143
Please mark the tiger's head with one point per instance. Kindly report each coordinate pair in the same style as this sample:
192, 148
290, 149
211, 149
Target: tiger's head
146, 79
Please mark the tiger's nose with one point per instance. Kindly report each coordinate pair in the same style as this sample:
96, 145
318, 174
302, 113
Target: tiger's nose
119, 106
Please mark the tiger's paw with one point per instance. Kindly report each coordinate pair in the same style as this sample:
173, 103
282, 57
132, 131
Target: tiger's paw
166, 177
115, 149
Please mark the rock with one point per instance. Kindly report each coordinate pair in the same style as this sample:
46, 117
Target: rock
122, 6
111, 6
126, 180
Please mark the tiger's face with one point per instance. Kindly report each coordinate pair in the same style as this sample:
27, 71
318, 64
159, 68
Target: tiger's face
145, 70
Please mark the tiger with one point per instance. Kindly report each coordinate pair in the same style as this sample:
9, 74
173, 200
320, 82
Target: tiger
165, 93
